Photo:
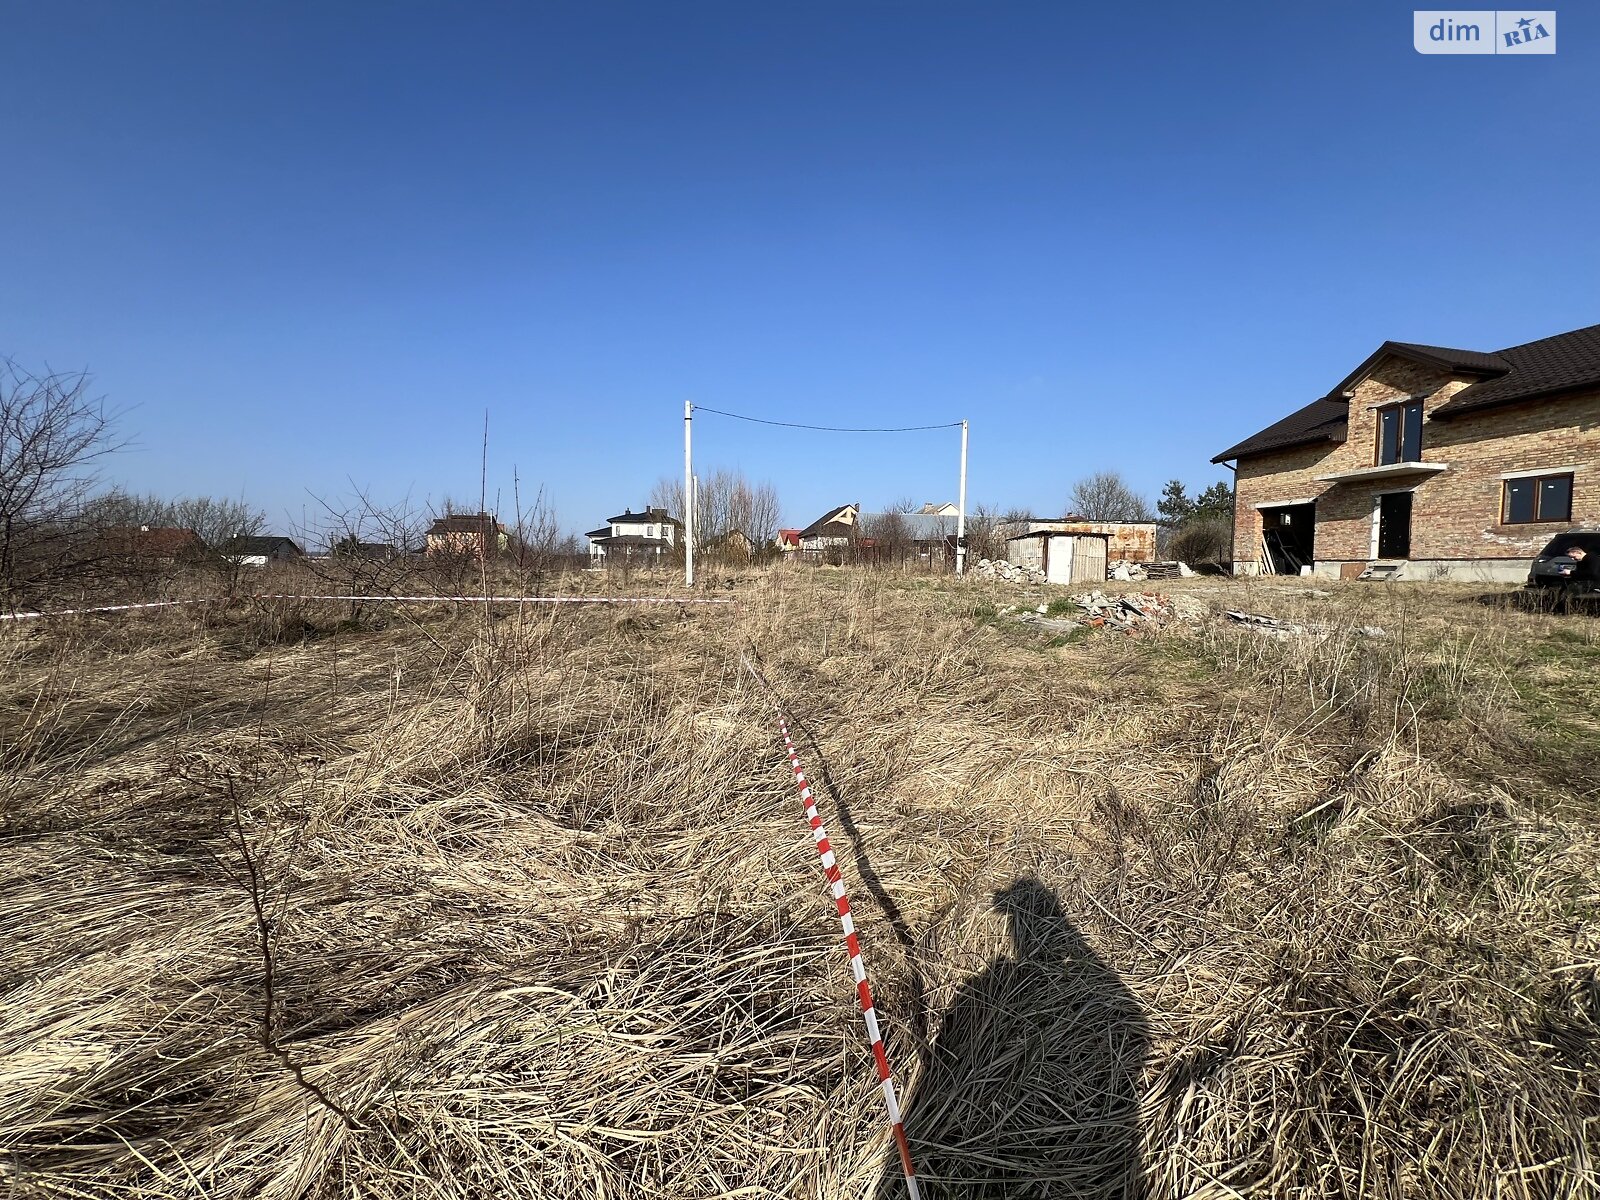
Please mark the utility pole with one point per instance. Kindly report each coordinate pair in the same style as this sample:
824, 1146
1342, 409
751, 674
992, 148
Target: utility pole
961, 508
688, 496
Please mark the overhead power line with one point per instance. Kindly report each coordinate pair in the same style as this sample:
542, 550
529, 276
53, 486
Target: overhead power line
827, 428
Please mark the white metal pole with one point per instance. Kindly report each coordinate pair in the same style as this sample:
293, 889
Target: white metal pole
688, 496
961, 508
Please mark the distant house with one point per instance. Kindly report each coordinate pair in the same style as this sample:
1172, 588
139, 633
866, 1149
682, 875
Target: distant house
157, 544
249, 551
926, 537
788, 540
939, 510
734, 546
474, 535
647, 536
834, 531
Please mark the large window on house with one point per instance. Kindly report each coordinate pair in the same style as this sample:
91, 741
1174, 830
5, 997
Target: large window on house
1537, 498
1400, 433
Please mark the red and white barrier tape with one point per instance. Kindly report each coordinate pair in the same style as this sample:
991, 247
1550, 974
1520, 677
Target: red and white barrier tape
830, 868
108, 608
71, 612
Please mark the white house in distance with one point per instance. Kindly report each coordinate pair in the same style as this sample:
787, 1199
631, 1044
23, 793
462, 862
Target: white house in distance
649, 536
247, 551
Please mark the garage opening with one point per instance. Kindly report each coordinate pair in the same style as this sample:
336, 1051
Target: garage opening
1288, 538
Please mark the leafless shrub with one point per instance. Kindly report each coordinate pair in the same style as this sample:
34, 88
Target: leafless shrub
1106, 496
1201, 540
53, 434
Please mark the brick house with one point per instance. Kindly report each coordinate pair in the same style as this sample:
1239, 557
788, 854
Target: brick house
467, 535
1427, 462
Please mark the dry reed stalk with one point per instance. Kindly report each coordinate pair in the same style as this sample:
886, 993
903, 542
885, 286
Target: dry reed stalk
1190, 914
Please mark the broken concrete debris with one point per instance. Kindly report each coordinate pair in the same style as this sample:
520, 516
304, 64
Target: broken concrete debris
1144, 610
1121, 570
1154, 611
1273, 627
999, 568
1125, 571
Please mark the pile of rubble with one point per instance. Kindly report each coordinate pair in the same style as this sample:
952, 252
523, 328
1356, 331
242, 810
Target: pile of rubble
999, 568
1124, 571
1126, 614
1143, 610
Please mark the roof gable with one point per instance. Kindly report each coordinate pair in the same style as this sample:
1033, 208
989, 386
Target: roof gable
1445, 358
841, 519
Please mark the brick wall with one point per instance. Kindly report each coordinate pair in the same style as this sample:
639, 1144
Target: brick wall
1132, 540
1456, 513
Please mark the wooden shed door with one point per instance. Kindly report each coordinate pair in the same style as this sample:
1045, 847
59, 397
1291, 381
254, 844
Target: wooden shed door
1089, 560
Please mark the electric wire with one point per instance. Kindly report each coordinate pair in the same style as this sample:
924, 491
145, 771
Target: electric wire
826, 428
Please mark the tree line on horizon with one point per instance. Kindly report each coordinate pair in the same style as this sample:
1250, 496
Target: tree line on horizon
55, 511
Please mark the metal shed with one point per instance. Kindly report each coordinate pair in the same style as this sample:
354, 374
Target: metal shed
1063, 557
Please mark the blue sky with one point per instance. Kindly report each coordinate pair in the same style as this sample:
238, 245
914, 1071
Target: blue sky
306, 244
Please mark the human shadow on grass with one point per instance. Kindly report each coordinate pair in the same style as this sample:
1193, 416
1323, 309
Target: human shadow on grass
1030, 1089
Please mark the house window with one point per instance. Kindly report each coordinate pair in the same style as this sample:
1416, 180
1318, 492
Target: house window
1400, 433
1538, 498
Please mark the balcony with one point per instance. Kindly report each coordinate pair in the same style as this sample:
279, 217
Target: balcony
1399, 470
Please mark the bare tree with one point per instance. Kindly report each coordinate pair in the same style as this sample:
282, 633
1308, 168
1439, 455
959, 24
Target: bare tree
540, 546
372, 546
1106, 496
884, 538
984, 538
52, 436
214, 520
725, 501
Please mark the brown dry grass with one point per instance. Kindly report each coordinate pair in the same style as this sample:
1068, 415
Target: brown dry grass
1200, 913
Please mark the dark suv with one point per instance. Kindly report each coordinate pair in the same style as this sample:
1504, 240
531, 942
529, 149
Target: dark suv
1576, 575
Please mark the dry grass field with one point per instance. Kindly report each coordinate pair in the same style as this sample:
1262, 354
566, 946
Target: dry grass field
429, 905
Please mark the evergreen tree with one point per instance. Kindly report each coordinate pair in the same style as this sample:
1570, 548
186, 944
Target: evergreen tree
1175, 506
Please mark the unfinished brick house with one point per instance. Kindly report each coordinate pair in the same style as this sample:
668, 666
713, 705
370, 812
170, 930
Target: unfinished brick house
1427, 463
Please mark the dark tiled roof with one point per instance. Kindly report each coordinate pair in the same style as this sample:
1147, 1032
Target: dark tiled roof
1324, 420
268, 546
464, 523
1549, 365
647, 517
1546, 367
1473, 362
